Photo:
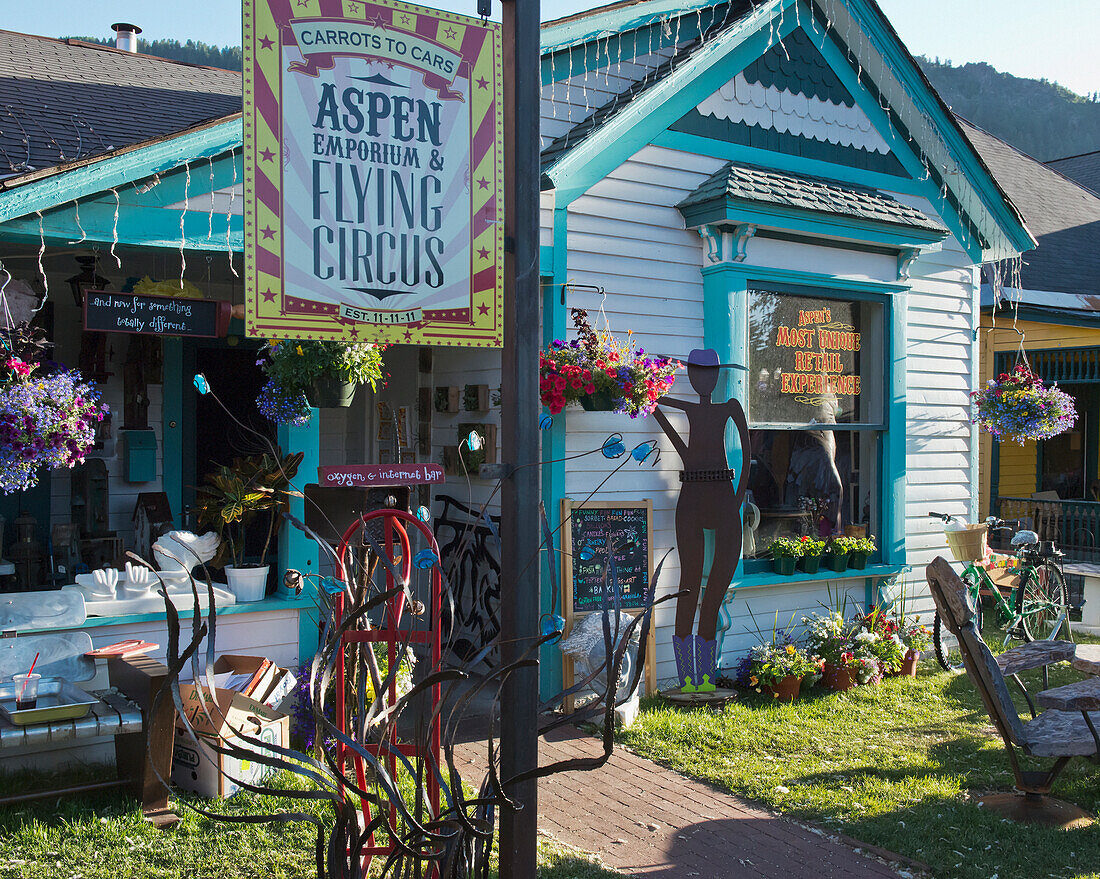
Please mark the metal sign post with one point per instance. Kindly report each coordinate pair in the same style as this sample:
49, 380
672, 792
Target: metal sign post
519, 604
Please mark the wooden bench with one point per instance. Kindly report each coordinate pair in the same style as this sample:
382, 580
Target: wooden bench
143, 736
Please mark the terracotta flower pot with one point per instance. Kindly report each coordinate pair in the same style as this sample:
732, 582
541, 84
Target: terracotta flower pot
838, 678
784, 565
909, 663
601, 401
787, 689
810, 564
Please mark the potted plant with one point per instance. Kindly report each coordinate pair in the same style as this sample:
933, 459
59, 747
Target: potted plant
915, 637
779, 668
47, 418
860, 550
1018, 406
235, 496
829, 638
809, 560
837, 551
602, 373
785, 552
323, 373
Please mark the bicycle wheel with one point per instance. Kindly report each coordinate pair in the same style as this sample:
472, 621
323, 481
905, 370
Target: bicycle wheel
1042, 601
947, 645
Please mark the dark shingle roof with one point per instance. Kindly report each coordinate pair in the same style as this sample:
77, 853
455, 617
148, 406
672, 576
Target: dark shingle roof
64, 100
752, 184
1063, 216
736, 10
1085, 169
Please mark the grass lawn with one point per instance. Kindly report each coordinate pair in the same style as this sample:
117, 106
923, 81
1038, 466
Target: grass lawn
104, 837
896, 765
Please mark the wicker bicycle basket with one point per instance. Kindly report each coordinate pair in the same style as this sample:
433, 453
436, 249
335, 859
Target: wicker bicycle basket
969, 544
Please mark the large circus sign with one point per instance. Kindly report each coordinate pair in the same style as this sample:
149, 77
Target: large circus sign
373, 173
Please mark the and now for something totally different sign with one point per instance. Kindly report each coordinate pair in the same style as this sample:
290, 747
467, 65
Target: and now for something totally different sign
373, 173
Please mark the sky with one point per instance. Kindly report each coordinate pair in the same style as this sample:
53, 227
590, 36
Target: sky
1053, 39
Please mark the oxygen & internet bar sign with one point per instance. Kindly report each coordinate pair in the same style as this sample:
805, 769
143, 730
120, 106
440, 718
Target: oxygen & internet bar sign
373, 173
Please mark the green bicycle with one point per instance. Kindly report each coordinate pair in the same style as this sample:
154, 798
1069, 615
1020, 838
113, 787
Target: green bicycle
1034, 606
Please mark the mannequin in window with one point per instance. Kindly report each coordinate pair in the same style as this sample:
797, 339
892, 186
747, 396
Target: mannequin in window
708, 500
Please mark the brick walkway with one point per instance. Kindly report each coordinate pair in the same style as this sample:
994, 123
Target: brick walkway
646, 820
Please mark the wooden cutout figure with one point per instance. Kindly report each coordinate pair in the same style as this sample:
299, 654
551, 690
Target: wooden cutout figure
708, 500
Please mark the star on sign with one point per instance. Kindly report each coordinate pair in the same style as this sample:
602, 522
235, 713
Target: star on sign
482, 82
377, 21
482, 183
266, 42
450, 32
269, 296
268, 232
483, 309
408, 335
483, 253
354, 333
405, 19
267, 155
302, 4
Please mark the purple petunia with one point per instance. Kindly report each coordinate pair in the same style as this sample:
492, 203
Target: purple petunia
45, 421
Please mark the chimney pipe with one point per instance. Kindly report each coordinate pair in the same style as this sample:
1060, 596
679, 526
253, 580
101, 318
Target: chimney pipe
126, 36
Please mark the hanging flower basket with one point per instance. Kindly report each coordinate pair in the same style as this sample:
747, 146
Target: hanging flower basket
46, 419
602, 373
321, 374
1017, 406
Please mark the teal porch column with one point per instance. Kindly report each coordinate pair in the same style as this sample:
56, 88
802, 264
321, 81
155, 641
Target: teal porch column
296, 550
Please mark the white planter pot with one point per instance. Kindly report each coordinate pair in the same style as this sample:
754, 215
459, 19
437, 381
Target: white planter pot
247, 584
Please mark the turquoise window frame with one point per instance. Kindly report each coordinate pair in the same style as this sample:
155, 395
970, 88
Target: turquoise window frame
725, 290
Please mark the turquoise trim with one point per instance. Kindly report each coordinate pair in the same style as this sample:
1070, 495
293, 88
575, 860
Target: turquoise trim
975, 379
567, 32
588, 56
172, 425
121, 169
704, 146
892, 472
554, 326
807, 222
723, 283
902, 65
296, 550
887, 123
268, 604
656, 108
795, 277
771, 140
144, 226
752, 581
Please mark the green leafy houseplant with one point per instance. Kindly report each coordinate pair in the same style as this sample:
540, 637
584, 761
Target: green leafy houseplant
784, 551
861, 548
811, 551
298, 367
235, 495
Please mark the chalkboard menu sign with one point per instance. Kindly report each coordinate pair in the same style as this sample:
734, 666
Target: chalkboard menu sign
591, 530
108, 312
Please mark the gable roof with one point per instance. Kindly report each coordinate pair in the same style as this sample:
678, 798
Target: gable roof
63, 101
745, 183
1085, 169
937, 147
1063, 216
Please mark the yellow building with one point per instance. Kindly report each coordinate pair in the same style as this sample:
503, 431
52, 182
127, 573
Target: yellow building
1048, 310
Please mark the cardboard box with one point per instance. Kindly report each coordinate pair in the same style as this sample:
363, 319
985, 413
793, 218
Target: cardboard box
197, 767
195, 764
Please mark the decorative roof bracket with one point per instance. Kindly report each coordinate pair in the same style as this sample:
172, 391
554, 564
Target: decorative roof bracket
727, 244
